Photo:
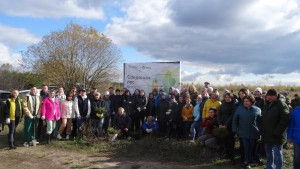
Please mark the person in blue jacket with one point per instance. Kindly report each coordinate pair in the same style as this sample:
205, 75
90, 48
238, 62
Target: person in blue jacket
197, 119
245, 122
294, 135
150, 126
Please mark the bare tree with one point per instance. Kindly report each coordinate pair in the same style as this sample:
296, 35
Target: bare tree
74, 55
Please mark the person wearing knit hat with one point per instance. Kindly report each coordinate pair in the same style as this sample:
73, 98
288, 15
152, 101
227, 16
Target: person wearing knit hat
210, 90
274, 124
259, 100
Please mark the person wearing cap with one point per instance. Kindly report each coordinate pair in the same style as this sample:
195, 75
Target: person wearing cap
210, 90
275, 120
163, 107
108, 108
83, 110
259, 100
294, 135
296, 101
206, 85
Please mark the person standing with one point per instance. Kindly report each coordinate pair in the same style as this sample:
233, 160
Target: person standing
275, 120
50, 113
163, 107
97, 116
83, 110
294, 135
43, 94
32, 105
187, 117
213, 101
13, 115
108, 108
259, 100
60, 95
197, 120
67, 114
225, 116
245, 122
116, 103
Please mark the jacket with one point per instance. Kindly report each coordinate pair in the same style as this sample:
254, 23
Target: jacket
116, 102
226, 113
196, 113
48, 109
128, 105
28, 107
82, 106
121, 122
173, 112
208, 104
152, 125
67, 109
188, 113
150, 108
259, 102
275, 120
246, 121
13, 109
294, 128
96, 104
211, 123
163, 106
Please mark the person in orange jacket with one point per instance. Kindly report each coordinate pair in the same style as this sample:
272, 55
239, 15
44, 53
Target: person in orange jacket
187, 116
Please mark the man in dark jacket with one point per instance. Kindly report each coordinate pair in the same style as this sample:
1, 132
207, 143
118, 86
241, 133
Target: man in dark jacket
163, 107
171, 117
116, 101
122, 122
43, 94
275, 120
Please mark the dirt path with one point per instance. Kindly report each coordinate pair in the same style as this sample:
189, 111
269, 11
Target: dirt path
47, 157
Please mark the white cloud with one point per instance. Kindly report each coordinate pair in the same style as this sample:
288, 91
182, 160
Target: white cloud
235, 39
15, 36
7, 57
89, 9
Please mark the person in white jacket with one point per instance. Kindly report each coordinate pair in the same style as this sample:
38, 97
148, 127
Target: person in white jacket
67, 114
83, 110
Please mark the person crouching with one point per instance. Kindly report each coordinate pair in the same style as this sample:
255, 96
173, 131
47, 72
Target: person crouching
122, 122
50, 113
150, 126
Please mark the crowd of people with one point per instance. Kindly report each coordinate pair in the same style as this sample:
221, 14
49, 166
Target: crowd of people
201, 116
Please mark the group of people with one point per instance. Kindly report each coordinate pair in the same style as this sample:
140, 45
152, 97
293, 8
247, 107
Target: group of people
203, 116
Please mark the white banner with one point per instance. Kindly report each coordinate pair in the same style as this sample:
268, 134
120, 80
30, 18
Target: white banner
150, 75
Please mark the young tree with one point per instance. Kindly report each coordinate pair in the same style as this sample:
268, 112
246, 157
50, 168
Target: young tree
74, 55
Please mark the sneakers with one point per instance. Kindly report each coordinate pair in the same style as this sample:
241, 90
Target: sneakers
192, 141
31, 143
67, 137
26, 144
59, 137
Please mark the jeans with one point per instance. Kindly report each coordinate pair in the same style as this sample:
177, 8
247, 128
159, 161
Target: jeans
196, 125
12, 130
296, 155
248, 148
274, 156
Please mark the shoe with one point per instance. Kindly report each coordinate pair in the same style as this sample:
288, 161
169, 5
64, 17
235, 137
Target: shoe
59, 137
49, 139
247, 166
259, 162
192, 141
26, 144
67, 137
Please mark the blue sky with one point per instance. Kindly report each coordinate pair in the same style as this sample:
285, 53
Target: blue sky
238, 42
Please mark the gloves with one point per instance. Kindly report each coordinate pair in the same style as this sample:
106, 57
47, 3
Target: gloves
79, 117
43, 117
58, 119
30, 116
38, 116
148, 130
144, 108
7, 121
168, 113
139, 109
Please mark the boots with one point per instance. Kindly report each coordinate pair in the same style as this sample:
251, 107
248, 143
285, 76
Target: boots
11, 145
49, 139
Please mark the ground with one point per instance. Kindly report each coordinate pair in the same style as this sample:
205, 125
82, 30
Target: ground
123, 154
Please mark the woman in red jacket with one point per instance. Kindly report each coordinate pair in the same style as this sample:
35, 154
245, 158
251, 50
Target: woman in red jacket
209, 125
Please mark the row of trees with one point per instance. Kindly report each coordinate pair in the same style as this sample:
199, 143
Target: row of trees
76, 55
